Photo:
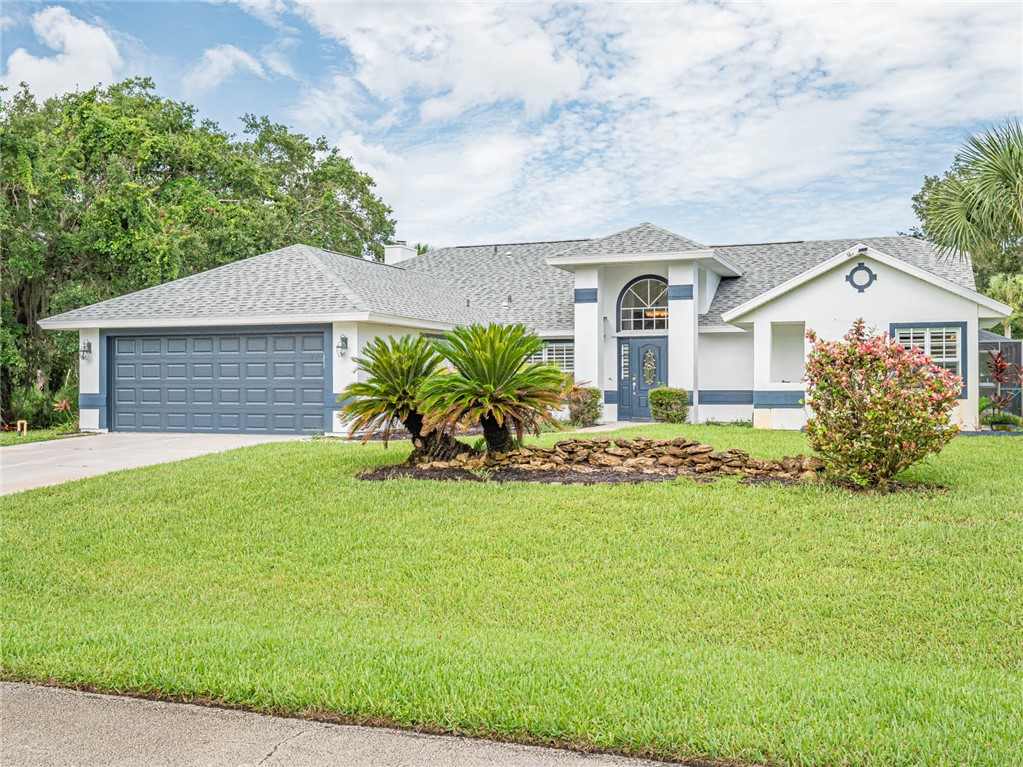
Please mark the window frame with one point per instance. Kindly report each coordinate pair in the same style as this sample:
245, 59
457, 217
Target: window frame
621, 297
963, 350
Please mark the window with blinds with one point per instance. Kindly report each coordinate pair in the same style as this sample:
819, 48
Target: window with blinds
942, 345
560, 353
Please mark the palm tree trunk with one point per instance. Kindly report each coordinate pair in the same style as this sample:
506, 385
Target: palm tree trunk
497, 435
432, 445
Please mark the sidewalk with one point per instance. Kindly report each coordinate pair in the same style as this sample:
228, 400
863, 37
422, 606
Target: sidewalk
50, 727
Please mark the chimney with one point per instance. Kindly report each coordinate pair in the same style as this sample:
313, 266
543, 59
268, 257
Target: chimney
398, 252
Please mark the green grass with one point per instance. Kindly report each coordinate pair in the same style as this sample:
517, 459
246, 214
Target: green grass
783, 625
9, 438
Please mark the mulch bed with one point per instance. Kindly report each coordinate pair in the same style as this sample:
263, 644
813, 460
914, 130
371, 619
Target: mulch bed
552, 477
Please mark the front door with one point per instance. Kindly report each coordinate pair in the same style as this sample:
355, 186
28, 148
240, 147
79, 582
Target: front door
642, 366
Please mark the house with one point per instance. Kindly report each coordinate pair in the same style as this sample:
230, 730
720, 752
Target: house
268, 343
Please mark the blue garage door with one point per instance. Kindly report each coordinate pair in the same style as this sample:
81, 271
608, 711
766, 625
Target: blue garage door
225, 382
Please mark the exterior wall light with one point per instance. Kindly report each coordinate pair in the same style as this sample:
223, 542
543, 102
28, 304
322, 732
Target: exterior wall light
86, 350
342, 345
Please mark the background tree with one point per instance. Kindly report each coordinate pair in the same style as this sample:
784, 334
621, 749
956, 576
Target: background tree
117, 189
976, 206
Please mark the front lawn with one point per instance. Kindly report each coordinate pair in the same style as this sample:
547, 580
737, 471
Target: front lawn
782, 625
10, 438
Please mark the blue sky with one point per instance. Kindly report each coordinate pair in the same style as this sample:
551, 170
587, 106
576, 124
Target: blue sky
727, 122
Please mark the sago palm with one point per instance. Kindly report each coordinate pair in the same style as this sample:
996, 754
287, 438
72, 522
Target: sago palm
396, 370
493, 383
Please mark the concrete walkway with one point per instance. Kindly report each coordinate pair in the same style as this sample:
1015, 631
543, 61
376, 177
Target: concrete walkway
48, 727
23, 467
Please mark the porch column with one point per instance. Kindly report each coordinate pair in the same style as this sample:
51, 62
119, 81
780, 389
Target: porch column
588, 327
683, 327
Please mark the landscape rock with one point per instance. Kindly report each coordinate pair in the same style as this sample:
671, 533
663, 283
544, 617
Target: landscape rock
640, 455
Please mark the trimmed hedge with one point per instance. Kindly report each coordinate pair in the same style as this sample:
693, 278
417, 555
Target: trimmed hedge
669, 405
585, 408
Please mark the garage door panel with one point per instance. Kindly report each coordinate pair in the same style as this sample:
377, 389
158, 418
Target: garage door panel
219, 382
256, 344
256, 396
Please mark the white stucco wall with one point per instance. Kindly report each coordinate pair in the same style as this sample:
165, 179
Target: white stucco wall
725, 366
88, 378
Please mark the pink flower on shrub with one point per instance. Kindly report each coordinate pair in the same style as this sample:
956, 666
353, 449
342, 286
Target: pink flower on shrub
878, 407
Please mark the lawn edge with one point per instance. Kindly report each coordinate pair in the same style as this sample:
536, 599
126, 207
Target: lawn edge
329, 717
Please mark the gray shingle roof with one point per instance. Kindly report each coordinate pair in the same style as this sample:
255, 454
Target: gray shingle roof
541, 295
769, 265
645, 238
302, 280
292, 281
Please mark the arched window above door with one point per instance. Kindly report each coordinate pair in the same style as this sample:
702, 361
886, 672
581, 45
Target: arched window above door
643, 305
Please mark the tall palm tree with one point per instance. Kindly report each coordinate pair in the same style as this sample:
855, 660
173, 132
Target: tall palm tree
396, 370
493, 384
978, 208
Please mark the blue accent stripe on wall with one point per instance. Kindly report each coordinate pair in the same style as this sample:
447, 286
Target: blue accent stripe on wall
610, 397
91, 401
680, 292
964, 347
586, 295
778, 399
726, 396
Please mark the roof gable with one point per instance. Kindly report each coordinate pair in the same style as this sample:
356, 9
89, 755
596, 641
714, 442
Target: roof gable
859, 250
767, 265
645, 238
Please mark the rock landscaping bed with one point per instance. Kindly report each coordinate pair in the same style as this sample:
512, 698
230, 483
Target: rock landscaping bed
609, 460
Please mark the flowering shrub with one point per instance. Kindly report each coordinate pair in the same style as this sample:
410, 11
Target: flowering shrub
878, 407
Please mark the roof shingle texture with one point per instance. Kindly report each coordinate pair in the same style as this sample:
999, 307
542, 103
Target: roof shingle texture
480, 283
297, 280
541, 295
645, 238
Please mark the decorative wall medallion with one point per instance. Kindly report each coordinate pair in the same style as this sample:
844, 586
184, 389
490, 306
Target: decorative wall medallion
649, 367
861, 277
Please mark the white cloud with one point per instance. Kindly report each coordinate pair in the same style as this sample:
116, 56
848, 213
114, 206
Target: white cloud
86, 56
789, 119
217, 65
450, 58
270, 12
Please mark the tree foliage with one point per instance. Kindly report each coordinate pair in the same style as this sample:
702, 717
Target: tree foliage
976, 206
112, 190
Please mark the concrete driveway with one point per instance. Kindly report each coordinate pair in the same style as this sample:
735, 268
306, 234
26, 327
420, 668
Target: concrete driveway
23, 467
48, 727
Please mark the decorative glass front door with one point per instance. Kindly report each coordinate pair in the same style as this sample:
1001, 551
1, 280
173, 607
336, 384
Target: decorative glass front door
642, 366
